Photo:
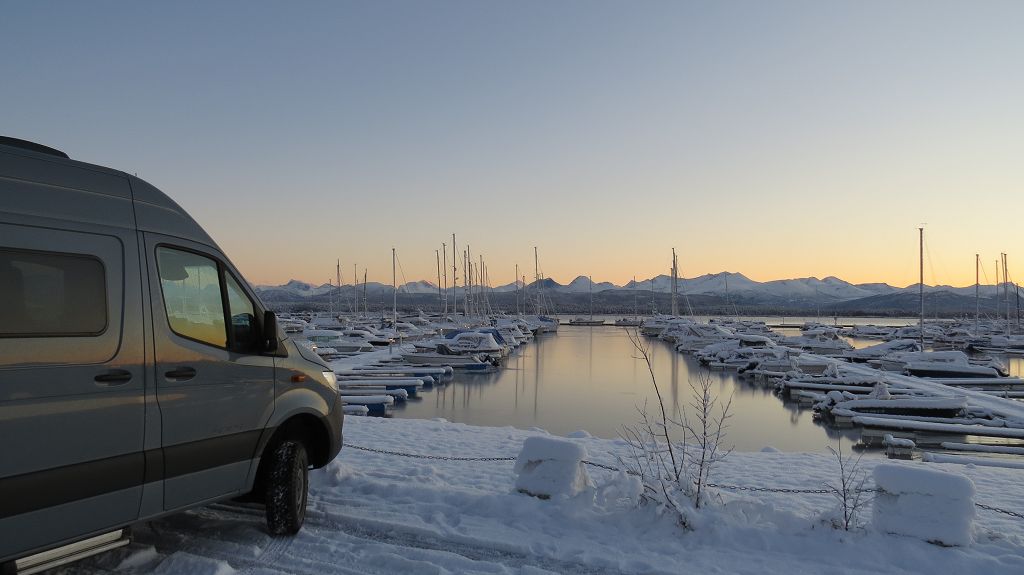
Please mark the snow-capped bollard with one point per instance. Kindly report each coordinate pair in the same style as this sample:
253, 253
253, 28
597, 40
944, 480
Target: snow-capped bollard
549, 467
932, 505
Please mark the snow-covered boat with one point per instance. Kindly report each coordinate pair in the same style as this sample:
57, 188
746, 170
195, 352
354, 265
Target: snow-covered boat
586, 321
881, 350
338, 340
653, 326
444, 356
691, 337
820, 340
938, 364
868, 332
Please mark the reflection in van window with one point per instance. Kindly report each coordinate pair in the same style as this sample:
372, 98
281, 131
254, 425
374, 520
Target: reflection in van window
243, 318
191, 289
51, 294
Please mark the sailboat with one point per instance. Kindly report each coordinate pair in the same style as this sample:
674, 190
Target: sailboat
591, 321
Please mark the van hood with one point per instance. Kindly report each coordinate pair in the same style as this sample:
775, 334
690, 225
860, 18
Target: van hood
308, 354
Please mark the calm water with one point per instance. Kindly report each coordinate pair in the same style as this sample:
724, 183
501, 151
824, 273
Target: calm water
587, 378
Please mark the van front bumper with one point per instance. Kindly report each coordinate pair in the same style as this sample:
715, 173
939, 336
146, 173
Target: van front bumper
334, 421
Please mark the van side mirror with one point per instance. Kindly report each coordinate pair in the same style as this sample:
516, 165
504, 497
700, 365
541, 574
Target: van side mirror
269, 339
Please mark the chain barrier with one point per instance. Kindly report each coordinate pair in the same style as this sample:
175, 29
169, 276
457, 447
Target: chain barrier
767, 489
617, 470
419, 456
607, 467
787, 489
998, 510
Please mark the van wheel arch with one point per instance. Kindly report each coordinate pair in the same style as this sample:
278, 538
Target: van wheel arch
310, 431
304, 428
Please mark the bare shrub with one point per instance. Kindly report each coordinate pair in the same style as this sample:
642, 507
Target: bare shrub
849, 491
708, 431
674, 458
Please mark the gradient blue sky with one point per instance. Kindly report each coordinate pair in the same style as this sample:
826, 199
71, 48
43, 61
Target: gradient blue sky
778, 139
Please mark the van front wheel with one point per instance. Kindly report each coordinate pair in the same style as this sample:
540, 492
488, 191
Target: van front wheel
287, 488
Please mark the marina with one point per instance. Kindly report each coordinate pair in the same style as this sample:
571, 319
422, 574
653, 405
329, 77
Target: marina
521, 288
789, 389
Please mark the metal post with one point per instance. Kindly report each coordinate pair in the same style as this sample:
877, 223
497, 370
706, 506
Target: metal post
921, 284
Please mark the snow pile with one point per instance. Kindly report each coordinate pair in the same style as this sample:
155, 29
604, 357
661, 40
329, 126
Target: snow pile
380, 514
880, 391
932, 505
890, 441
549, 467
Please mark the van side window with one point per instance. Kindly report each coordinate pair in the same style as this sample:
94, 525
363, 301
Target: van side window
243, 317
51, 294
192, 296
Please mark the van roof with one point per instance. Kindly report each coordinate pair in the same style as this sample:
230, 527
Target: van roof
27, 145
154, 210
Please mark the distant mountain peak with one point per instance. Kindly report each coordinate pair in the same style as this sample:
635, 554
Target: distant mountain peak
734, 285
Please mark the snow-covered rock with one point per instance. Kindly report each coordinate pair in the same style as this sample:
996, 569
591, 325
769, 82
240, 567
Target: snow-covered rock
550, 467
932, 505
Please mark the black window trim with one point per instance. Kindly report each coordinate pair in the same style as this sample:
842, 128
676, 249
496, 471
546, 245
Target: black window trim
256, 320
222, 269
106, 297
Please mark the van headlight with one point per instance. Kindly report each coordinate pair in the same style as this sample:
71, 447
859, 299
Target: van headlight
332, 379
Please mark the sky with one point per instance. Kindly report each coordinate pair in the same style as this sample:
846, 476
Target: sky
778, 139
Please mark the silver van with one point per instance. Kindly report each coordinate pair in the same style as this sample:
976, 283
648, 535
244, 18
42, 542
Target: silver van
139, 373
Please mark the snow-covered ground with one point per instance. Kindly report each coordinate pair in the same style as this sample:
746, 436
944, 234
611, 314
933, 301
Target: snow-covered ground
377, 513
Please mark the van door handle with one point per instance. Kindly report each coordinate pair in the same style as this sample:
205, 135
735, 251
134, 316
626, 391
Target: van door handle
181, 374
113, 377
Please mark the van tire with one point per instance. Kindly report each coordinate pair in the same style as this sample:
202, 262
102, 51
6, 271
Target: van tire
287, 488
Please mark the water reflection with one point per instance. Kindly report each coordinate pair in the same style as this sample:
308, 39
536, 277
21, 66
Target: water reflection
591, 378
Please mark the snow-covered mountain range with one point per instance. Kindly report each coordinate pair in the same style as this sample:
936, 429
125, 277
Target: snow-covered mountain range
724, 284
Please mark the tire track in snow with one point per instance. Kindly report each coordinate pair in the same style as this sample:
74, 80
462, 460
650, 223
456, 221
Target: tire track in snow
198, 533
334, 519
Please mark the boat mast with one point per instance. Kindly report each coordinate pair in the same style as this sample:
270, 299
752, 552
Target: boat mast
995, 300
536, 277
1006, 293
481, 280
455, 280
1017, 294
470, 296
517, 289
444, 267
337, 272
355, 294
590, 280
526, 294
977, 308
636, 309
654, 304
366, 304
394, 291
675, 304
920, 232
728, 302
437, 256
394, 299
467, 272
